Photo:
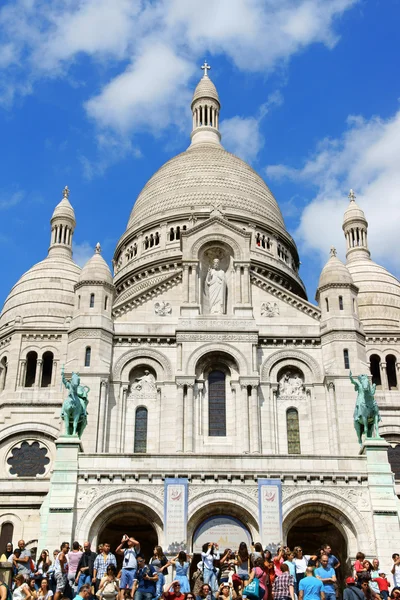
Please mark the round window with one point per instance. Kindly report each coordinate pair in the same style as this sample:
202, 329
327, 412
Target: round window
28, 459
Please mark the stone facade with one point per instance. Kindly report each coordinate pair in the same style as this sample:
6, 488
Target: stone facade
149, 340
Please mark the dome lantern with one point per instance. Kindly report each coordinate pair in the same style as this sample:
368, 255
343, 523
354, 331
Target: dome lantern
355, 227
205, 110
62, 227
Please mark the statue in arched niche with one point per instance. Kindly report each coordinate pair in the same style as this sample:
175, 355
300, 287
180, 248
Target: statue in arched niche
143, 384
291, 383
216, 288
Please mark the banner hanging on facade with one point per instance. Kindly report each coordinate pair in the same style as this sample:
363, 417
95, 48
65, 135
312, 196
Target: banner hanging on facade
175, 514
270, 512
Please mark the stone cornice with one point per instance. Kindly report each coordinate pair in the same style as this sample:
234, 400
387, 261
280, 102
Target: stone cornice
80, 284
216, 219
144, 293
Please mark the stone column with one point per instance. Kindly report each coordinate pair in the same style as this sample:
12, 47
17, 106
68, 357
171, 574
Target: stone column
332, 411
2, 376
22, 373
185, 283
179, 415
244, 414
200, 394
102, 415
192, 284
38, 373
384, 378
238, 285
246, 285
120, 445
255, 420
54, 374
189, 417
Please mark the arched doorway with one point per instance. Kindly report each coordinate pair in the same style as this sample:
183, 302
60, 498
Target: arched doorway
313, 528
221, 522
131, 518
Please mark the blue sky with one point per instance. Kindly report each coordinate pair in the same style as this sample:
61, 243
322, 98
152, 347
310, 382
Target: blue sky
95, 95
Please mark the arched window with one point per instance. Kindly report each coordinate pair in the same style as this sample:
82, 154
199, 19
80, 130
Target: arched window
105, 302
391, 371
88, 355
79, 301
293, 431
6, 536
31, 364
327, 304
47, 369
140, 442
340, 302
3, 373
91, 302
171, 234
216, 404
346, 359
375, 368
178, 233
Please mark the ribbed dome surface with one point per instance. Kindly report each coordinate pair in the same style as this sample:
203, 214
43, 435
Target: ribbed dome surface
44, 295
205, 89
203, 176
335, 272
353, 211
378, 296
96, 269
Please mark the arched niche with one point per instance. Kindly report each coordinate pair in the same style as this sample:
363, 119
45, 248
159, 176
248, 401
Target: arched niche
216, 278
291, 358
155, 359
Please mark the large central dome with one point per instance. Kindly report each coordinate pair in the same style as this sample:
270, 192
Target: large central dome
205, 176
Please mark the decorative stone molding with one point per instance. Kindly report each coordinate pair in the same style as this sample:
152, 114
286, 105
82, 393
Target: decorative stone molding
217, 337
162, 308
217, 239
91, 282
241, 361
143, 353
54, 337
147, 294
269, 309
84, 334
308, 364
216, 323
338, 336
144, 283
356, 496
5, 341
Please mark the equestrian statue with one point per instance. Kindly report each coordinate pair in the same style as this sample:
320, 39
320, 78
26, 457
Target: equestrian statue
74, 408
366, 412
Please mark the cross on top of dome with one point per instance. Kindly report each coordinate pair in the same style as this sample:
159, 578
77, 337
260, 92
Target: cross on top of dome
66, 192
206, 67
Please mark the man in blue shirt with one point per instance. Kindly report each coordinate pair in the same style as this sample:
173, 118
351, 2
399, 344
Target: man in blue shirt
144, 585
311, 588
332, 560
327, 575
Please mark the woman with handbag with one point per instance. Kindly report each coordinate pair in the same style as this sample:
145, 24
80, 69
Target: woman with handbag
258, 573
109, 588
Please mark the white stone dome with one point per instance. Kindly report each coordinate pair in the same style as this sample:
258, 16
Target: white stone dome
44, 295
204, 176
378, 295
335, 273
205, 89
96, 269
64, 210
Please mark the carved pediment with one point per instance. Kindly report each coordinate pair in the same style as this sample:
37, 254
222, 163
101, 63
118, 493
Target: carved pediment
148, 286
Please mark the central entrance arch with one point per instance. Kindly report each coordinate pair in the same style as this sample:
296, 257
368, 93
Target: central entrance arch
131, 518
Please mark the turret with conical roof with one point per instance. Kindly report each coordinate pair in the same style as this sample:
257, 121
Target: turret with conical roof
205, 110
62, 227
355, 227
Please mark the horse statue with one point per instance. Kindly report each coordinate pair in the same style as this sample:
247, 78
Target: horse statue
74, 408
366, 412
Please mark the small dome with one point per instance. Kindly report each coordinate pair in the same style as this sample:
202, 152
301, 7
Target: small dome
378, 294
205, 89
353, 211
44, 295
96, 269
64, 208
335, 272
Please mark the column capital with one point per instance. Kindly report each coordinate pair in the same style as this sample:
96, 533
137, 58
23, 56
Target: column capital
181, 381
253, 382
103, 382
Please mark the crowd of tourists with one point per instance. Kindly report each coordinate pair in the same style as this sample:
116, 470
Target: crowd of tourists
79, 573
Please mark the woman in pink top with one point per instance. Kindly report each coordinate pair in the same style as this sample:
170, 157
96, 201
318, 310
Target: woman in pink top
261, 574
278, 560
74, 557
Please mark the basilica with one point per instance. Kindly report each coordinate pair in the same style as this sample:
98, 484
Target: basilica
208, 375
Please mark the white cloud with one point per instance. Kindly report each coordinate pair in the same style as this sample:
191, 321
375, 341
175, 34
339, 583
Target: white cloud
82, 252
110, 150
161, 41
364, 158
242, 137
10, 199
